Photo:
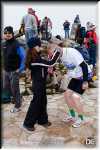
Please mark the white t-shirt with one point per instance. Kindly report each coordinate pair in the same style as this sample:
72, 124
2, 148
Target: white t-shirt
30, 22
71, 59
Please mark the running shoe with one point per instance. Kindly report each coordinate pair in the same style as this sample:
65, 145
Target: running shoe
80, 122
14, 110
69, 118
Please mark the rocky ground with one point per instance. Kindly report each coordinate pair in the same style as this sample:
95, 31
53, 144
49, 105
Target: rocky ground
60, 134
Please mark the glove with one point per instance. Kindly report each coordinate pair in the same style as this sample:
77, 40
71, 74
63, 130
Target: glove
21, 30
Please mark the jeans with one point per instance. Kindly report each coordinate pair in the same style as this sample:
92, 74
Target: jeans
93, 54
66, 33
30, 33
11, 82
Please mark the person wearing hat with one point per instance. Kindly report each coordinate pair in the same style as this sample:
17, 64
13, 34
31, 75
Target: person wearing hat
91, 42
29, 23
13, 65
38, 21
34, 14
37, 111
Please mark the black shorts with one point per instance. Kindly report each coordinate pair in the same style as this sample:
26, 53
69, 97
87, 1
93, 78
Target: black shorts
76, 85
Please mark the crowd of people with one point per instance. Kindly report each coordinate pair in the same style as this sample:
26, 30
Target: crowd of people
32, 26
79, 72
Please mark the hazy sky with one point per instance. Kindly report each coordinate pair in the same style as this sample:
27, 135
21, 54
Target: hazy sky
12, 13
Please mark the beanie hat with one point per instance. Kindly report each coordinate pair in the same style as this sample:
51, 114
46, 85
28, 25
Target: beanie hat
8, 29
90, 26
33, 42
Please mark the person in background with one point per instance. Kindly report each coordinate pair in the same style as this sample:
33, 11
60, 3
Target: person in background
49, 28
46, 28
77, 34
91, 43
66, 26
13, 64
37, 20
29, 23
34, 14
37, 111
77, 19
39, 28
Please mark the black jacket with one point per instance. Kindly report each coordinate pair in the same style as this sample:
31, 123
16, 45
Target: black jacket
11, 60
39, 66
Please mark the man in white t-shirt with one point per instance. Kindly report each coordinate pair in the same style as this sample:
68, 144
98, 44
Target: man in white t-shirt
77, 71
30, 25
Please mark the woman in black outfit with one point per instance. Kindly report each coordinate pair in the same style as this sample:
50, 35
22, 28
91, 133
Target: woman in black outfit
37, 112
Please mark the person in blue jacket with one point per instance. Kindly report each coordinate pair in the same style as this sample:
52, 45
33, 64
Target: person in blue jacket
13, 64
37, 111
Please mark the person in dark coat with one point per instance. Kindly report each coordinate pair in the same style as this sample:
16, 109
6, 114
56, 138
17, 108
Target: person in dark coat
13, 64
37, 111
66, 26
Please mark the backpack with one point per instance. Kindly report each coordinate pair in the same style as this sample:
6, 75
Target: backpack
82, 32
84, 52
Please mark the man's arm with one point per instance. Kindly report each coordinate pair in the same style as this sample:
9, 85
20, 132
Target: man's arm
85, 75
84, 67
